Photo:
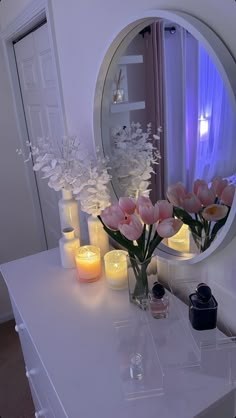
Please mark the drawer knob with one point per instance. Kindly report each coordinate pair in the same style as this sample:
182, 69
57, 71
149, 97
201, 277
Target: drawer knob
30, 373
40, 413
19, 327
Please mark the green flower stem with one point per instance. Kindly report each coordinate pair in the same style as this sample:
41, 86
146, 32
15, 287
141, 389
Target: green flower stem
148, 240
141, 285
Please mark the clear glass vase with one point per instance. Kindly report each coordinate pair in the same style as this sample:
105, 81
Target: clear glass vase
141, 276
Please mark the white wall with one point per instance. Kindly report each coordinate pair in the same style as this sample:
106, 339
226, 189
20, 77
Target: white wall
84, 31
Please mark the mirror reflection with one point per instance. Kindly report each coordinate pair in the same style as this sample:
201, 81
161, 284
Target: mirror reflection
164, 78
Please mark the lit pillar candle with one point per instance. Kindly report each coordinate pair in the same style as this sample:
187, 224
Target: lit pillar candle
97, 235
116, 269
180, 241
88, 263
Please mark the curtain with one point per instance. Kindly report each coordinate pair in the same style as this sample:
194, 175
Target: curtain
217, 127
181, 91
154, 60
191, 108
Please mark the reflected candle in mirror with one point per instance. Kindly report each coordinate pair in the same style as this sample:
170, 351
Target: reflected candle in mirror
180, 241
88, 263
116, 269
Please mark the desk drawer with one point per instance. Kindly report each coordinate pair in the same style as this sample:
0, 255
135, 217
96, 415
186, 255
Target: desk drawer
40, 410
36, 372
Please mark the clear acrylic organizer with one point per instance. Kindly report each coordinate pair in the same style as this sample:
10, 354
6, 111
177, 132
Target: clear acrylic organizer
220, 353
215, 349
140, 367
170, 348
175, 346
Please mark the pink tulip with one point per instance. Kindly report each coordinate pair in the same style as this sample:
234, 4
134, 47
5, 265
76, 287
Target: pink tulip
215, 212
191, 203
143, 200
176, 193
131, 227
112, 216
197, 184
218, 185
227, 196
165, 209
205, 195
127, 204
169, 227
148, 213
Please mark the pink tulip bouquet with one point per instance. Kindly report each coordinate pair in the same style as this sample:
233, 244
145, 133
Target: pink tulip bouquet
205, 210
139, 226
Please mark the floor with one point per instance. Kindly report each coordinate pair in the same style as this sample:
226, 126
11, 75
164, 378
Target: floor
15, 397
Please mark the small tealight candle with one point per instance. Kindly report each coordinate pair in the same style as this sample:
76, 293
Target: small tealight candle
88, 263
116, 269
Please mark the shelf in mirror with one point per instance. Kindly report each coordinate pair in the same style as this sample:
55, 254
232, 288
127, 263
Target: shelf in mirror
127, 106
131, 59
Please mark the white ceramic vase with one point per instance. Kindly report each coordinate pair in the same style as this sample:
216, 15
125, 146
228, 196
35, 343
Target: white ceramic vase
97, 235
69, 212
68, 245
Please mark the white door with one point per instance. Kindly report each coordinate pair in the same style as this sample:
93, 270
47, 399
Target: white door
39, 89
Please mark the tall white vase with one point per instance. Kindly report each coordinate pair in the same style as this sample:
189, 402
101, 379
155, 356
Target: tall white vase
97, 235
69, 212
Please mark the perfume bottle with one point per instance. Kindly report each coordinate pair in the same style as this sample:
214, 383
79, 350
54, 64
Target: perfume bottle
136, 366
203, 308
158, 301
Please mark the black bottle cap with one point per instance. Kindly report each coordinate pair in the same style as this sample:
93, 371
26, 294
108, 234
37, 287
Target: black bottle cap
158, 290
203, 292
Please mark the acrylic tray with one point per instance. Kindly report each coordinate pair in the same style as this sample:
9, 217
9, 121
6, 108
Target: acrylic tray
170, 346
215, 349
174, 343
133, 336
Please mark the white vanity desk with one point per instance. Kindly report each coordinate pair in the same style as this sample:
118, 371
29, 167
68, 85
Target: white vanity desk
70, 348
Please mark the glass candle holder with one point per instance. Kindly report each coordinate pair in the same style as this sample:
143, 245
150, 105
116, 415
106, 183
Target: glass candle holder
180, 241
116, 269
88, 263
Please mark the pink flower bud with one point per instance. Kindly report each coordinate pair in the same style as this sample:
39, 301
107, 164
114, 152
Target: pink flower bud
165, 209
149, 215
131, 227
169, 227
112, 216
227, 196
197, 183
176, 193
214, 212
127, 204
191, 203
218, 185
205, 195
143, 200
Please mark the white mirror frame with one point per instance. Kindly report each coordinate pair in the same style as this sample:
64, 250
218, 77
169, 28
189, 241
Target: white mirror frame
226, 66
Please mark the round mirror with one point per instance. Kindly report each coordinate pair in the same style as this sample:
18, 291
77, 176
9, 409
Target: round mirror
168, 116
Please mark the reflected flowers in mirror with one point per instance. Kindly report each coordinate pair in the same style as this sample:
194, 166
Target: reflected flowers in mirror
135, 151
205, 209
139, 227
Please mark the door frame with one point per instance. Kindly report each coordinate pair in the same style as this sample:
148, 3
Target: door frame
27, 20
